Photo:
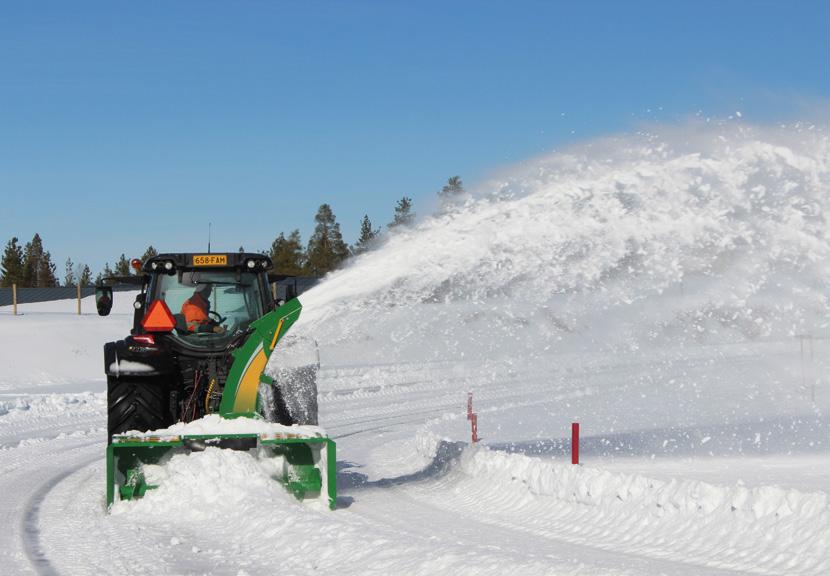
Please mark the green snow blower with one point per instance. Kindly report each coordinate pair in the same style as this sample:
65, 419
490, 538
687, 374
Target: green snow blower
206, 360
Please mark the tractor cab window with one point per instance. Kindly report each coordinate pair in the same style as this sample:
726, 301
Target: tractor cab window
209, 306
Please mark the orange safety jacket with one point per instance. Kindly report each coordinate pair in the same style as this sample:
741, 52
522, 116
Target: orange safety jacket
195, 313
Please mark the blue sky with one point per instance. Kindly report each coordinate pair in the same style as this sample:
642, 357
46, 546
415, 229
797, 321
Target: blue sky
129, 123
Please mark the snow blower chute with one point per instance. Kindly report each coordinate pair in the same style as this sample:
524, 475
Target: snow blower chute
173, 389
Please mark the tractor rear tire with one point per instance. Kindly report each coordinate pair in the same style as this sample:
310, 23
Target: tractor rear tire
137, 404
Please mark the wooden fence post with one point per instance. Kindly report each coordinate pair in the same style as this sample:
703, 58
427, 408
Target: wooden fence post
79, 298
14, 298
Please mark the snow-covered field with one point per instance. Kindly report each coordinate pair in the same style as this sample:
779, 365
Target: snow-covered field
667, 291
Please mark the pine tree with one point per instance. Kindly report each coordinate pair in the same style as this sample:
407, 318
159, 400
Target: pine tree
47, 272
452, 194
326, 248
241, 249
69, 276
149, 253
453, 189
122, 267
287, 254
32, 255
11, 267
38, 269
85, 276
367, 236
404, 216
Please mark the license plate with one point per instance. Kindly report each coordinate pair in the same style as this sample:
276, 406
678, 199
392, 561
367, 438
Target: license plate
210, 260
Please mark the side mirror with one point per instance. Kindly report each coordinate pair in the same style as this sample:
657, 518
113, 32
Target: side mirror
103, 300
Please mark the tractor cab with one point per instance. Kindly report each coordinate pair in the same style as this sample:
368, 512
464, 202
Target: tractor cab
211, 298
230, 302
201, 300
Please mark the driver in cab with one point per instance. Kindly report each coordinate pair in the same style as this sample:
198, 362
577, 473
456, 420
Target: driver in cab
196, 310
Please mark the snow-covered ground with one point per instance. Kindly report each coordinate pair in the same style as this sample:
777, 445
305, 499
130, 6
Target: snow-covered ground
667, 291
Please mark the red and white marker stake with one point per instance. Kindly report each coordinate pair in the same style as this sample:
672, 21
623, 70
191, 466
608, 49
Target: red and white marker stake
575, 443
472, 417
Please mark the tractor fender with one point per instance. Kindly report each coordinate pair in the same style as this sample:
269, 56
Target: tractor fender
128, 357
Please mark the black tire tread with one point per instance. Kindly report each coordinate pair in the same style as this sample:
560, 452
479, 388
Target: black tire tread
137, 404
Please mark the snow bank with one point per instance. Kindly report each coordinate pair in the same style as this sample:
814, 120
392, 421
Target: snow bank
36, 406
781, 530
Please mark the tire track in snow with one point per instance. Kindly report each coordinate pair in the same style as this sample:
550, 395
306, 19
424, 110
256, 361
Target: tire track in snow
47, 438
30, 531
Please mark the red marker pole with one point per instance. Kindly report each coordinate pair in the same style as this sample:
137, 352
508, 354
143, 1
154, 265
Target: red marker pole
474, 424
469, 405
575, 443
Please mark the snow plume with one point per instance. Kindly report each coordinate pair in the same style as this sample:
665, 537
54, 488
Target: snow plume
696, 234
657, 286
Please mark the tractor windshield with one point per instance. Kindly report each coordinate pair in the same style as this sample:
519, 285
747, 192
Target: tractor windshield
210, 306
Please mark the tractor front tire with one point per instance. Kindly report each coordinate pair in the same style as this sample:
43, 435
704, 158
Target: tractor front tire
137, 404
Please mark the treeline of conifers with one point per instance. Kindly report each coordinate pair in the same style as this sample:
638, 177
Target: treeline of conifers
31, 265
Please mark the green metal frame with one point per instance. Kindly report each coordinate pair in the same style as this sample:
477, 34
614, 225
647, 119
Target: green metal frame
240, 398
303, 476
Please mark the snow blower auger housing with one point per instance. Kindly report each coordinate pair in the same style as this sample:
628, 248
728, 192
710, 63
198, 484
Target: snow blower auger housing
204, 328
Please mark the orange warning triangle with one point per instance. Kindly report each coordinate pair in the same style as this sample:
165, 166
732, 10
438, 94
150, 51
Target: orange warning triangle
158, 318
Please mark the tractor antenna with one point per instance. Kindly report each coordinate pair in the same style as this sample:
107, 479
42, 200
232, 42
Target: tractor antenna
209, 226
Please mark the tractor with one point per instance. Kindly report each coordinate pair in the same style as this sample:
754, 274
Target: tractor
204, 327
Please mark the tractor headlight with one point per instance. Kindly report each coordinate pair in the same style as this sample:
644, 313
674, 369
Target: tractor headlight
154, 265
168, 265
251, 264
